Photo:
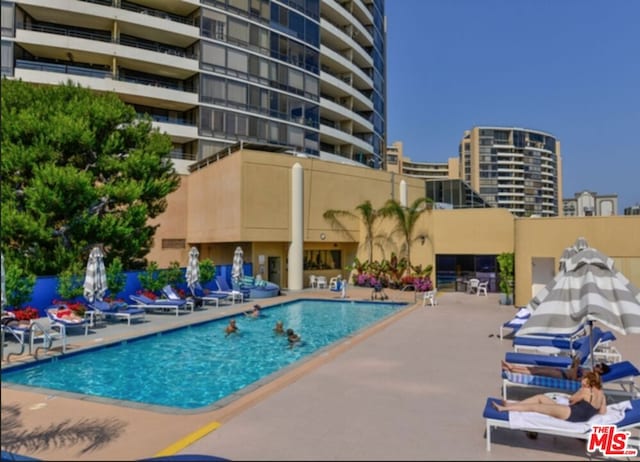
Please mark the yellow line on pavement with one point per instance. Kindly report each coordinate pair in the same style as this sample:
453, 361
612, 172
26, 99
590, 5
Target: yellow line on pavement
188, 440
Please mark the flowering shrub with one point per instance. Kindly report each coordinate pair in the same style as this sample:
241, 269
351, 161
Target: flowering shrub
147, 293
423, 284
26, 314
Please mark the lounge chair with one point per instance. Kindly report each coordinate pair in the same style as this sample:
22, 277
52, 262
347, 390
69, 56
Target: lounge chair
625, 415
147, 304
583, 352
55, 317
201, 297
224, 288
516, 323
555, 345
116, 310
622, 374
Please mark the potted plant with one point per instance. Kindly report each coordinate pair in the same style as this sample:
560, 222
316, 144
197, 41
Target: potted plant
506, 265
116, 279
71, 288
207, 271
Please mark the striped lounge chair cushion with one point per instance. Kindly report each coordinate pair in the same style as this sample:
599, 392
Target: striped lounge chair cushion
542, 381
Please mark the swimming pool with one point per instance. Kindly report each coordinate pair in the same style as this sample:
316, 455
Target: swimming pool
196, 366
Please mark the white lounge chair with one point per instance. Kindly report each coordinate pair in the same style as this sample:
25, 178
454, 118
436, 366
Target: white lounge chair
625, 415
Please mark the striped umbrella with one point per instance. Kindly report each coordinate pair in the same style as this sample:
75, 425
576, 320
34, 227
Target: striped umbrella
95, 279
236, 268
580, 244
192, 274
4, 294
590, 289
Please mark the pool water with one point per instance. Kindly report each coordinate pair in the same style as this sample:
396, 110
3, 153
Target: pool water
195, 366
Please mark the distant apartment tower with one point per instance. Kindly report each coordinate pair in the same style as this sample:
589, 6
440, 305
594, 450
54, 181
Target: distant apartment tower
398, 163
305, 75
589, 204
514, 168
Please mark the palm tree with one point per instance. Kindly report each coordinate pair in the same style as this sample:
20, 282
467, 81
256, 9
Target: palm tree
366, 213
406, 219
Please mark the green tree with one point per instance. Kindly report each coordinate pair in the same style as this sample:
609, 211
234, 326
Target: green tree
151, 279
116, 279
19, 285
71, 281
78, 168
506, 267
173, 275
406, 219
207, 270
366, 213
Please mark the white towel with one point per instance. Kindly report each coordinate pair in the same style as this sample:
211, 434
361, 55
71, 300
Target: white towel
535, 420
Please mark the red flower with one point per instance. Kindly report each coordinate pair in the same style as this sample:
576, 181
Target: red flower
26, 314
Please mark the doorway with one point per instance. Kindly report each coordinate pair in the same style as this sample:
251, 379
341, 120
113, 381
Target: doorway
274, 266
542, 271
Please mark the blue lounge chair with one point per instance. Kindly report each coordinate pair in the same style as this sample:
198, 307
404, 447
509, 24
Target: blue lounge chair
116, 310
64, 322
224, 288
201, 297
559, 344
148, 304
622, 373
516, 323
582, 430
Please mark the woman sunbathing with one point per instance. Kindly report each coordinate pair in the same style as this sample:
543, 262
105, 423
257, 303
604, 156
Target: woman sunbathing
588, 401
574, 372
68, 315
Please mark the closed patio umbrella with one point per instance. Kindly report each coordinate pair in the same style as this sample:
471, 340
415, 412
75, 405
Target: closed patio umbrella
236, 268
590, 289
95, 280
192, 274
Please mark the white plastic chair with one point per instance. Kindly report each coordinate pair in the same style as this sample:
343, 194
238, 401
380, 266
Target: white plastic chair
321, 282
482, 288
313, 282
430, 296
472, 285
333, 283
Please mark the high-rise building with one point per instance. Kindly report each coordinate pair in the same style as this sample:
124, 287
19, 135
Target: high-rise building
305, 75
589, 204
514, 168
397, 162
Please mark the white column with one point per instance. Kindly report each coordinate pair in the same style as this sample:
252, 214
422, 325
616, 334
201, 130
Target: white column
296, 264
403, 193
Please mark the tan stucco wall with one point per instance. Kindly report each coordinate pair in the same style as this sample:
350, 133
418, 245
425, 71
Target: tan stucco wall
244, 199
617, 237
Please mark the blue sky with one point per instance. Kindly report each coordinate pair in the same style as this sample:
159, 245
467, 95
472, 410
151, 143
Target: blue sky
567, 67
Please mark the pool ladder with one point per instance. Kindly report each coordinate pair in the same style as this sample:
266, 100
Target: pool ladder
35, 331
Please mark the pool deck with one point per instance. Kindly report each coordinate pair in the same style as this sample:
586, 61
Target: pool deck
411, 388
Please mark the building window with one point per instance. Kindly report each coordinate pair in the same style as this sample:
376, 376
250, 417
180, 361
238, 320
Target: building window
322, 260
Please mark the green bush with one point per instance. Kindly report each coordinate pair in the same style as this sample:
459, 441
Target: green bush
207, 270
18, 285
71, 281
116, 278
171, 276
150, 278
506, 262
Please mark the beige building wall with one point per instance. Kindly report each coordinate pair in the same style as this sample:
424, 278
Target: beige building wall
245, 199
617, 237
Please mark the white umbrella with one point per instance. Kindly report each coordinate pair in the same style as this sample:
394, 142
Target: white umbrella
192, 274
236, 269
590, 289
95, 279
4, 294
